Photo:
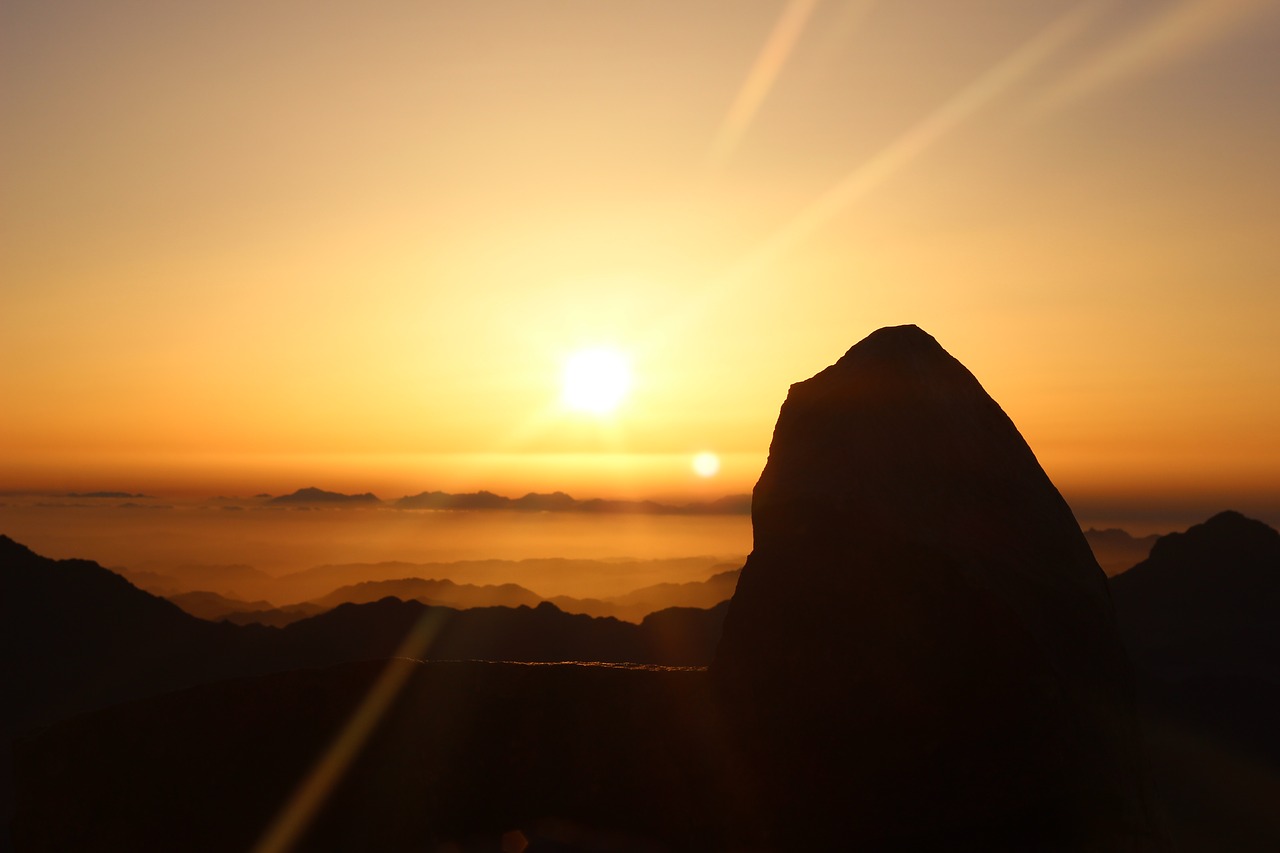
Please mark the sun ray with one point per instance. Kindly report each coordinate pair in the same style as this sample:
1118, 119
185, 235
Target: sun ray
315, 788
926, 133
1167, 38
761, 79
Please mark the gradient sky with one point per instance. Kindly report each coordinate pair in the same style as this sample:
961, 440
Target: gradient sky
257, 246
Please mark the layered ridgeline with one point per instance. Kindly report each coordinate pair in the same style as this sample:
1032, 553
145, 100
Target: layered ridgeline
920, 654
1201, 620
921, 641
75, 637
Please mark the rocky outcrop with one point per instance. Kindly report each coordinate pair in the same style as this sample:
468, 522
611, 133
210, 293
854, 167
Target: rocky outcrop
921, 648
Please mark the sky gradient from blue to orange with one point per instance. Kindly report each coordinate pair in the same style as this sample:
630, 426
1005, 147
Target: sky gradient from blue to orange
258, 246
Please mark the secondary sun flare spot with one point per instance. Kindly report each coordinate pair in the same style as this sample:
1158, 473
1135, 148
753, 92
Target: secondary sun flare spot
706, 464
596, 380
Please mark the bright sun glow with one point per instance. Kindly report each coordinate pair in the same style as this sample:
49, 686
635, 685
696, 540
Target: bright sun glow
706, 464
596, 380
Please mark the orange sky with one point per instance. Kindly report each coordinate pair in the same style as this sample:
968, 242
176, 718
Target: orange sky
250, 246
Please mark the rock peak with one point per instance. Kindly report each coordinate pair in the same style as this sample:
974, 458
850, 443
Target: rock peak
914, 570
896, 340
903, 345
895, 368
1230, 518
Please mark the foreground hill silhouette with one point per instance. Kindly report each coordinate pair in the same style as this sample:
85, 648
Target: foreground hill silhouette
1205, 600
1201, 619
920, 654
76, 637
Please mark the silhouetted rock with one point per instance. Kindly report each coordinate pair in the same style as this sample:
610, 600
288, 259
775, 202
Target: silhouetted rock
921, 644
1201, 619
1205, 600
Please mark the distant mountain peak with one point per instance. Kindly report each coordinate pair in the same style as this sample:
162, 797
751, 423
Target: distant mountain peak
1204, 602
311, 494
106, 495
1228, 531
1231, 519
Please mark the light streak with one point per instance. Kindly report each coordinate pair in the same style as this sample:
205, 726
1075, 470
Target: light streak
761, 79
1168, 38
315, 788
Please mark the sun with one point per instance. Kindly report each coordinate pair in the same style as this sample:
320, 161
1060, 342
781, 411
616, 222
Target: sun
706, 464
596, 380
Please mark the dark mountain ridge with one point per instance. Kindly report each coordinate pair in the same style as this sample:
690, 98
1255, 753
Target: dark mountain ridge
79, 636
1201, 620
1205, 597
312, 495
561, 502
920, 654
75, 637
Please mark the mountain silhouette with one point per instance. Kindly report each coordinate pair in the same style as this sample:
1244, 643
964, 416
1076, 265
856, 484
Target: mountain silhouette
431, 591
75, 637
105, 495
1118, 550
233, 582
920, 654
312, 495
275, 616
1205, 600
597, 578
632, 606
212, 606
1201, 619
78, 636
635, 605
562, 502
921, 605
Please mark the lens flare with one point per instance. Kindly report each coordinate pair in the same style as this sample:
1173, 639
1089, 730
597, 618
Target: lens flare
706, 464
